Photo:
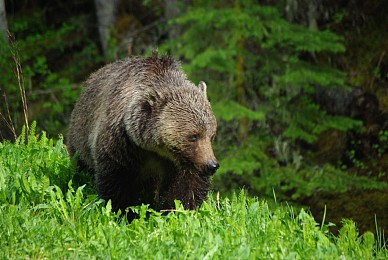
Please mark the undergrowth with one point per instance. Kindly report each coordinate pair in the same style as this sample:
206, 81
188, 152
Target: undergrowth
48, 211
285, 171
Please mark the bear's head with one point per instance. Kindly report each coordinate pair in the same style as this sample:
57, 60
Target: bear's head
169, 115
187, 127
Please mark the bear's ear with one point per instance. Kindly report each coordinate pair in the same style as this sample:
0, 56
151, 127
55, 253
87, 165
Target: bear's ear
153, 102
148, 103
202, 87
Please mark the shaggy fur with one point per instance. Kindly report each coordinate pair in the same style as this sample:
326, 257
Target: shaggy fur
145, 131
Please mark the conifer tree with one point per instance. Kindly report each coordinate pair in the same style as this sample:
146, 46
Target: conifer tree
261, 72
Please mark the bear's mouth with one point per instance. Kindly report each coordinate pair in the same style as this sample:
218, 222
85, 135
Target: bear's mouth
203, 171
192, 168
188, 166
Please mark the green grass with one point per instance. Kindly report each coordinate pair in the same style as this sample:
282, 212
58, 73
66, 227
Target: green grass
41, 217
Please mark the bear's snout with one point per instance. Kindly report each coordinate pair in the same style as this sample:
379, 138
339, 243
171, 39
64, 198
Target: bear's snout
211, 167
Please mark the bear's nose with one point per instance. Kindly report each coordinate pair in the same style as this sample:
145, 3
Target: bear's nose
212, 166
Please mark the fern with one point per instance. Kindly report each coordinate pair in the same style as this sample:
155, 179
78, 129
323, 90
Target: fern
36, 163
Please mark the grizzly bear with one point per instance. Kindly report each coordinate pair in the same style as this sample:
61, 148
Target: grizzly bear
145, 131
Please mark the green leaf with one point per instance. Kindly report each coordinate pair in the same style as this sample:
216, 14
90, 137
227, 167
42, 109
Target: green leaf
230, 110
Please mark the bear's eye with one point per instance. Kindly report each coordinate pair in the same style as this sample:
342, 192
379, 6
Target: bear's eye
193, 137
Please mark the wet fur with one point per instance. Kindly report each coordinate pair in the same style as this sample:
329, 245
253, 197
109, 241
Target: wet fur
130, 127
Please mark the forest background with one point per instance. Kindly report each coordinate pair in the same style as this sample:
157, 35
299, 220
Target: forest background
299, 87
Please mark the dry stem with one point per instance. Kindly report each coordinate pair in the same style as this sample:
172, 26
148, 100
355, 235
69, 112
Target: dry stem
19, 74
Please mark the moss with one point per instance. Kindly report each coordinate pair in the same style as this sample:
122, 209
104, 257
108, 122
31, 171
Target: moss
359, 205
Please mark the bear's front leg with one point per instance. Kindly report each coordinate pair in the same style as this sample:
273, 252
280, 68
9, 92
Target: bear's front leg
115, 182
190, 187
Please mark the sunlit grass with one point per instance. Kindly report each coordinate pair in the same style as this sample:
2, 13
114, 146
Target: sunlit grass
40, 217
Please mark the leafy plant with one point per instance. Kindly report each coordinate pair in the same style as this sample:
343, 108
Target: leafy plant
262, 75
72, 226
261, 174
38, 49
46, 213
31, 167
253, 56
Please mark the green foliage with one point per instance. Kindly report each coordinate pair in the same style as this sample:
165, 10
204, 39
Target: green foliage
213, 55
40, 49
30, 167
382, 146
277, 81
229, 110
73, 226
45, 213
263, 174
264, 69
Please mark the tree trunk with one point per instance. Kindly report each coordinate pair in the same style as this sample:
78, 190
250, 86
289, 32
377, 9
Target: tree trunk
106, 16
291, 9
312, 15
3, 21
240, 84
172, 9
295, 11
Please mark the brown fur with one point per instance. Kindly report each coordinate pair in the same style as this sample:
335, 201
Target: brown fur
146, 132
